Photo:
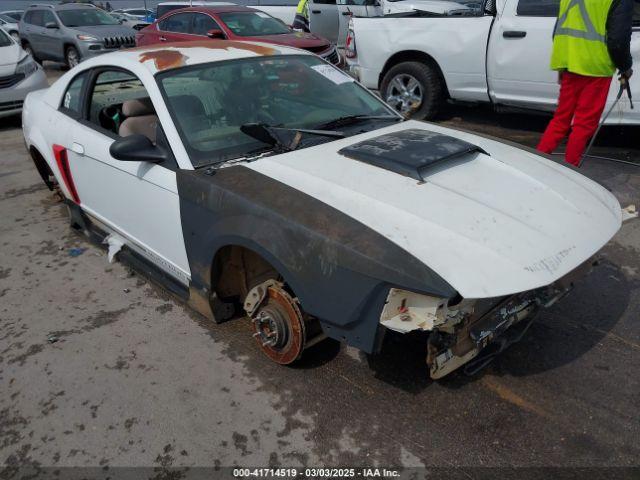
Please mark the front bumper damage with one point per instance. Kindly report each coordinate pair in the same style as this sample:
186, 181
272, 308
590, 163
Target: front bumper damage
472, 332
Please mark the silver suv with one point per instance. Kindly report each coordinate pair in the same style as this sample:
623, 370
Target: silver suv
71, 33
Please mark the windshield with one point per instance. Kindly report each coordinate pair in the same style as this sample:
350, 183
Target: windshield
5, 41
210, 102
86, 17
253, 24
6, 19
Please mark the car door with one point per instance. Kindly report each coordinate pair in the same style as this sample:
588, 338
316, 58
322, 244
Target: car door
323, 19
519, 54
33, 31
520, 47
176, 28
137, 201
52, 42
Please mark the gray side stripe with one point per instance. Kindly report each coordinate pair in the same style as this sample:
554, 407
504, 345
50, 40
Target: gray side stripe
591, 32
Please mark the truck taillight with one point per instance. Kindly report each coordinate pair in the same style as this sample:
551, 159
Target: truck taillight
350, 44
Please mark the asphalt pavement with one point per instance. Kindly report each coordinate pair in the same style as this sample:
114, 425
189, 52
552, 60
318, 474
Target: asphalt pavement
100, 368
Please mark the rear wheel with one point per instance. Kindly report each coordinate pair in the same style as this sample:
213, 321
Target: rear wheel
72, 57
414, 89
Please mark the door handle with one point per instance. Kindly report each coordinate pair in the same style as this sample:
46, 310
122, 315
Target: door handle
347, 14
77, 148
163, 39
514, 34
317, 12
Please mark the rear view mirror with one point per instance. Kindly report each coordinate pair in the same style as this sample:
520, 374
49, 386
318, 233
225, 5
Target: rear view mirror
52, 25
216, 33
137, 148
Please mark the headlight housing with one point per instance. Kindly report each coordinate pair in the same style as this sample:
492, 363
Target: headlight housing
26, 66
407, 311
87, 38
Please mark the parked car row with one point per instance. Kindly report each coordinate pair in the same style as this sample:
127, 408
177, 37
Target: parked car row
71, 32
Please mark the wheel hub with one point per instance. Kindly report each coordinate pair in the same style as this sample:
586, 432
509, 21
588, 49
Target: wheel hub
404, 93
271, 328
279, 326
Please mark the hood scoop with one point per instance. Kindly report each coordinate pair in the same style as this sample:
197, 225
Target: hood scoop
410, 152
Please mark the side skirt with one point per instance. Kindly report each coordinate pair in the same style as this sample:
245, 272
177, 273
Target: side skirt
82, 223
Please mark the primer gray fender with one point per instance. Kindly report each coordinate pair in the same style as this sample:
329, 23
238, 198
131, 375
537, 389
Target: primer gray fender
340, 269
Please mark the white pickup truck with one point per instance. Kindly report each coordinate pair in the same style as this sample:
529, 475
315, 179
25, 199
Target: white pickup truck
494, 51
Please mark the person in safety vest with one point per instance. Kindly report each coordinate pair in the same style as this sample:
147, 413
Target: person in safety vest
301, 21
592, 39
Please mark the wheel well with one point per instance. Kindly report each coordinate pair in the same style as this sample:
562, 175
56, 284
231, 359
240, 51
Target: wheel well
412, 56
42, 166
236, 270
66, 46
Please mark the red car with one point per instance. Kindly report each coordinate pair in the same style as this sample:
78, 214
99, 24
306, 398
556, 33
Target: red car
232, 22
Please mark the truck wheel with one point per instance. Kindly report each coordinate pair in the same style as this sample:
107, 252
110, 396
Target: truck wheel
72, 57
414, 89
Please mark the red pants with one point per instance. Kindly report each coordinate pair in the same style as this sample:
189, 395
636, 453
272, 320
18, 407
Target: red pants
582, 101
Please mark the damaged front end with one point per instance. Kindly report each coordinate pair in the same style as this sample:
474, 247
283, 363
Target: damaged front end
471, 332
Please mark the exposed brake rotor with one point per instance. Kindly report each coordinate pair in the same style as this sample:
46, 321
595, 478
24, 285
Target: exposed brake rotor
279, 326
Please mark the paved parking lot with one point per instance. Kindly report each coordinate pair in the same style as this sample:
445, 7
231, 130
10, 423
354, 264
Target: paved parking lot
135, 378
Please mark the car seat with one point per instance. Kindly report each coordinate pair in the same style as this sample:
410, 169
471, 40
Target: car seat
140, 118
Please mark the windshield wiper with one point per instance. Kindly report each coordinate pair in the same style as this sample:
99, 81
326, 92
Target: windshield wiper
269, 134
351, 119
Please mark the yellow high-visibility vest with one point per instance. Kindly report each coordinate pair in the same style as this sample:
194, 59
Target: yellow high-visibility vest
580, 38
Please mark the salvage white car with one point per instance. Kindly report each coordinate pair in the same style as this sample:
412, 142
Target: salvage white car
495, 51
258, 179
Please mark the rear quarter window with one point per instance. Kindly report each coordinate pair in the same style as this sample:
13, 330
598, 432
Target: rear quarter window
72, 99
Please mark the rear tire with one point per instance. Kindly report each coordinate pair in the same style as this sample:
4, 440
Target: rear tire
414, 89
72, 57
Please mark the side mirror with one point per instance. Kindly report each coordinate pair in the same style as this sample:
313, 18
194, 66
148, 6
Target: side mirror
51, 25
216, 33
137, 148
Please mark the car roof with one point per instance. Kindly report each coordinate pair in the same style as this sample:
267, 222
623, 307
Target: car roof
167, 56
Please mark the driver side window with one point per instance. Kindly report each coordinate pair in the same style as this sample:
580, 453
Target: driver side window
538, 8
178, 23
120, 105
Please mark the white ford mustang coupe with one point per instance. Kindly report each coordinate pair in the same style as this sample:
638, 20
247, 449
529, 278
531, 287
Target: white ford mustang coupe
257, 179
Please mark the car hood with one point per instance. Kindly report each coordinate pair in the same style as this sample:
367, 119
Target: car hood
496, 222
102, 31
295, 39
9, 56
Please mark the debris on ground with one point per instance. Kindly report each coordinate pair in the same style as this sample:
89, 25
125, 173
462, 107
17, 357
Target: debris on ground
76, 252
